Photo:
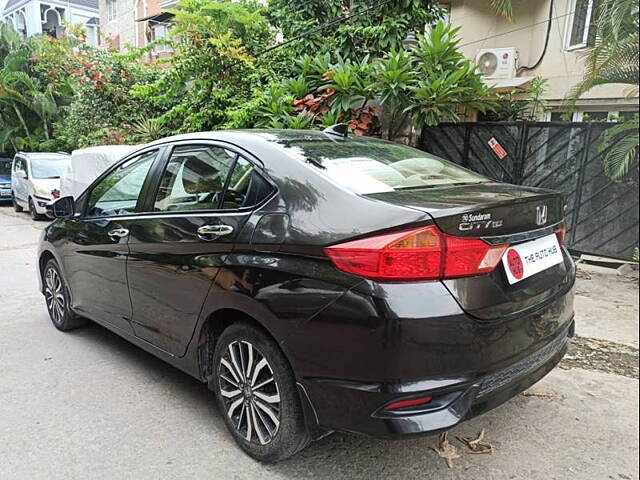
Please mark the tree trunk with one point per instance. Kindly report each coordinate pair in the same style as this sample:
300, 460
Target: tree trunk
22, 122
46, 128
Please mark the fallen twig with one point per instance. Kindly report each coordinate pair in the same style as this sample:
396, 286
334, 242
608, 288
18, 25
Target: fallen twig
476, 445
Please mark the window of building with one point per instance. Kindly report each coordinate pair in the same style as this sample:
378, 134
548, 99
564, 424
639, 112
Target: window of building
52, 20
112, 10
592, 115
160, 31
21, 24
556, 116
580, 29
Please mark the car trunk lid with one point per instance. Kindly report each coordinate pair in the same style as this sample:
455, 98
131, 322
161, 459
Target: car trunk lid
499, 214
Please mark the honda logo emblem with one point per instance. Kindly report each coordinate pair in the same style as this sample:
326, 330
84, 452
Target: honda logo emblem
541, 214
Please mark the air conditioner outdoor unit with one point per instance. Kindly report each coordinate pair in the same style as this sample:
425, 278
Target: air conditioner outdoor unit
497, 62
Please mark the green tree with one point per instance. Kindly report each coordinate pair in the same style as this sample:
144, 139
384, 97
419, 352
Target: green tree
430, 83
212, 70
446, 81
372, 32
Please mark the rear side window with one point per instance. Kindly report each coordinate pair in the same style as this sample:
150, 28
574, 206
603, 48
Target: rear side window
118, 192
246, 187
374, 166
196, 177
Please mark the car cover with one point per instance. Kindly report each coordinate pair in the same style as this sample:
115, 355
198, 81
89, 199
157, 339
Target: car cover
87, 164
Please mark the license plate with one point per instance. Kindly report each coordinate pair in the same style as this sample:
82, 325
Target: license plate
527, 259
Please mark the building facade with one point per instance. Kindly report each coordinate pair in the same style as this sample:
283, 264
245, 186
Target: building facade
135, 23
36, 17
568, 24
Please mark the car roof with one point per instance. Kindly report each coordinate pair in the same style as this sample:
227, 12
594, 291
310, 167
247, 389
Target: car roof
269, 135
44, 155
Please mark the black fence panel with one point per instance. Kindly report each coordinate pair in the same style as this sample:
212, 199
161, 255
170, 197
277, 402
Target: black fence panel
602, 216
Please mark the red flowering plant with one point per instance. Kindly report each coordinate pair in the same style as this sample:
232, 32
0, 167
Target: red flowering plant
366, 120
340, 93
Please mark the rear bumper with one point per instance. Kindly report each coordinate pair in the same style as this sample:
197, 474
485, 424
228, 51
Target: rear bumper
463, 393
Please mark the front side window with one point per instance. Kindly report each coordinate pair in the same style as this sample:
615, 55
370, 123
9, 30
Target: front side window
18, 165
580, 30
48, 168
118, 192
194, 178
374, 166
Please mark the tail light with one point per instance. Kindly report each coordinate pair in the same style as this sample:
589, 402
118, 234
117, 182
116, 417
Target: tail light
561, 233
418, 254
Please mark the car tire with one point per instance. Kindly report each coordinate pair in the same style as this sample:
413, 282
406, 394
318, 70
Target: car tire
268, 423
32, 211
58, 300
16, 207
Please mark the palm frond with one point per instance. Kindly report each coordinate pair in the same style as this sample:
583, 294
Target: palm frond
614, 57
504, 8
620, 144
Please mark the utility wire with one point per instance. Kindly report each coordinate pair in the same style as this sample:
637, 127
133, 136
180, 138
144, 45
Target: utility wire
516, 29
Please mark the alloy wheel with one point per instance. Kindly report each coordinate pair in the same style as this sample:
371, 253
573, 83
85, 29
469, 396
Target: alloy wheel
54, 295
250, 392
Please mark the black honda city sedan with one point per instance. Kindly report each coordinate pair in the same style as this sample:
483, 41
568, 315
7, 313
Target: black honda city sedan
318, 282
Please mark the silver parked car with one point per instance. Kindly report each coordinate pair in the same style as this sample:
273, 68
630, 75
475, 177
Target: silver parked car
35, 180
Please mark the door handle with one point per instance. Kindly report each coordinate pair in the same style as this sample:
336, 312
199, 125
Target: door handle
118, 233
206, 232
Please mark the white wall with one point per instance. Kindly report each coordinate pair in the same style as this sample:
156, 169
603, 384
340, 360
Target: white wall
482, 28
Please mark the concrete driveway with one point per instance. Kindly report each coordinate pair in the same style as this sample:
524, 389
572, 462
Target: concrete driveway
88, 405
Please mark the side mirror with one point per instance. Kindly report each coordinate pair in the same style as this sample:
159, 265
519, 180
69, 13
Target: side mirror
61, 208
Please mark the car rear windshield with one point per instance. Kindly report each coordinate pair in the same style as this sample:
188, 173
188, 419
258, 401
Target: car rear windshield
375, 166
48, 168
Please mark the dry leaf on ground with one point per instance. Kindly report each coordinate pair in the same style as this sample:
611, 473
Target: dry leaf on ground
446, 450
476, 445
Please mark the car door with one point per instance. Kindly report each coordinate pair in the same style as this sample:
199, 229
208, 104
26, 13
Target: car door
19, 179
96, 250
178, 247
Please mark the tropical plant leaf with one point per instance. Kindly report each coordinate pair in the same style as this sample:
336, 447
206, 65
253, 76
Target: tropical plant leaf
620, 147
503, 8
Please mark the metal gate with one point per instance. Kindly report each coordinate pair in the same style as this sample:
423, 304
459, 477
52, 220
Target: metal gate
602, 216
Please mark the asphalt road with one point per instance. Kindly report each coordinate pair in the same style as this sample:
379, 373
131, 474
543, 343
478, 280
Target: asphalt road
88, 405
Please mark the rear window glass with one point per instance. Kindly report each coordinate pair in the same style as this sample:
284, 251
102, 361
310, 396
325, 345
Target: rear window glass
374, 166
